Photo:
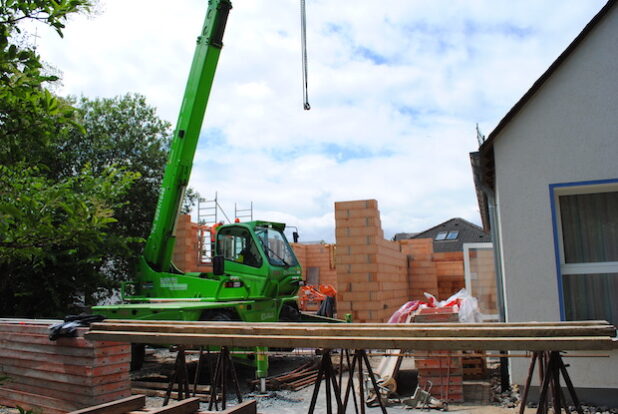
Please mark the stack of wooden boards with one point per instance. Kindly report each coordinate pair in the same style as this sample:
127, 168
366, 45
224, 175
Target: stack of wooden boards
59, 376
525, 336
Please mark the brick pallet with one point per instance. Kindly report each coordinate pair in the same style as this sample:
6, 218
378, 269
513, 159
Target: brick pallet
445, 373
474, 367
59, 376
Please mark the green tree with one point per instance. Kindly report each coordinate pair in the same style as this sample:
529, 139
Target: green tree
126, 132
55, 229
55, 238
30, 116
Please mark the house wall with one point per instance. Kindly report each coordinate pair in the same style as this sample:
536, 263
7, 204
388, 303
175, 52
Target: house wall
567, 132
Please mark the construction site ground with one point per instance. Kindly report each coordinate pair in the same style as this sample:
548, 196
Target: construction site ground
159, 365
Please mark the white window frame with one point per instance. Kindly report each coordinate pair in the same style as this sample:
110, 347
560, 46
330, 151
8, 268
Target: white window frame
563, 268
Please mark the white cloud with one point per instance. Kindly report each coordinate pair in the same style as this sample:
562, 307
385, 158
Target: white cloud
396, 91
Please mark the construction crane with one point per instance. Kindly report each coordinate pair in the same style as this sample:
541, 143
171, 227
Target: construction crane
255, 276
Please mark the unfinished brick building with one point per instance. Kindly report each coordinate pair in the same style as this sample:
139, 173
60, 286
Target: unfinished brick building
373, 276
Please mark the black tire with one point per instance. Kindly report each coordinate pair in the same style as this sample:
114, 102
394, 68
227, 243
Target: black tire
220, 315
138, 353
289, 313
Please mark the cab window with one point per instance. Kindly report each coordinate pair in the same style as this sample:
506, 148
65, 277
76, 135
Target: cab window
236, 244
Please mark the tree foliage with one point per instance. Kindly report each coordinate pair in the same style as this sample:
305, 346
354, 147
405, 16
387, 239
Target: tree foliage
125, 132
78, 179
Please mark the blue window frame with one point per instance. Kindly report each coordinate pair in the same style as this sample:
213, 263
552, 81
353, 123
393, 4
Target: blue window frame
585, 230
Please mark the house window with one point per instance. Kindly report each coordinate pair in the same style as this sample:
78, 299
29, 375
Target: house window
587, 235
447, 235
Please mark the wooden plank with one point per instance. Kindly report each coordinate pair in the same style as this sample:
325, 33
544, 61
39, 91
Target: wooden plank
204, 397
43, 402
67, 359
342, 330
164, 385
186, 406
134, 402
66, 378
25, 321
59, 367
76, 342
320, 324
245, 407
33, 329
84, 400
77, 389
53, 349
445, 343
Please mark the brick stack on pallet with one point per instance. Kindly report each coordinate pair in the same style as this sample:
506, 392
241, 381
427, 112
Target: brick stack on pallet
371, 272
440, 368
59, 376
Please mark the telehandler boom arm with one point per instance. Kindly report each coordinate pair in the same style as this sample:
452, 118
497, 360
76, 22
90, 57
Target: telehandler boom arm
160, 244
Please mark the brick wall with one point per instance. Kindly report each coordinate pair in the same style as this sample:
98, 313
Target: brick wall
450, 273
371, 272
441, 274
186, 250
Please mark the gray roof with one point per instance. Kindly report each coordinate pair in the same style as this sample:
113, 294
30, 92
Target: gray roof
467, 233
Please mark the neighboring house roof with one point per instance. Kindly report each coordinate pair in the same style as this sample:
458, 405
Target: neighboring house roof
404, 236
483, 163
459, 230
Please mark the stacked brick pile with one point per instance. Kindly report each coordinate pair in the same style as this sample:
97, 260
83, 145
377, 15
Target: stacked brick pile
421, 267
59, 376
450, 273
441, 368
371, 272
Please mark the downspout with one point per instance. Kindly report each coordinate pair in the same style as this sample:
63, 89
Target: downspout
505, 383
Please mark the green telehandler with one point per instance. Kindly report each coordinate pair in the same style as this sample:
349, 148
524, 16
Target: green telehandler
255, 276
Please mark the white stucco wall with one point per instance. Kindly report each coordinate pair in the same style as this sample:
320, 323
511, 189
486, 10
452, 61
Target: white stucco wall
567, 132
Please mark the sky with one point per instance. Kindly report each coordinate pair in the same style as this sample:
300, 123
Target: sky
396, 89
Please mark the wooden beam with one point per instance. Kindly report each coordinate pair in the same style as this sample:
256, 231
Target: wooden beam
134, 402
337, 330
245, 407
366, 325
353, 342
186, 406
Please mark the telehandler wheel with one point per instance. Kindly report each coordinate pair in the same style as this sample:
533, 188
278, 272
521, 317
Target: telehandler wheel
289, 313
221, 315
138, 353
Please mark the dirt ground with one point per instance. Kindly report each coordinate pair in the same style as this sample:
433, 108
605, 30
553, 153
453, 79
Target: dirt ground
288, 402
